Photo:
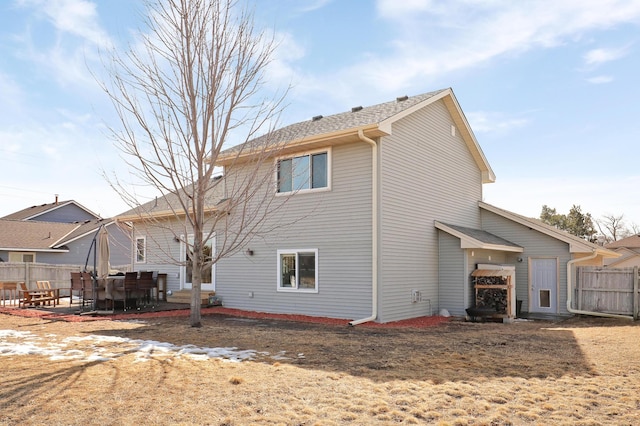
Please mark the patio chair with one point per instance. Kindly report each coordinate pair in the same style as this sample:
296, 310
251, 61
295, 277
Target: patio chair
49, 294
130, 288
87, 288
80, 288
33, 297
146, 286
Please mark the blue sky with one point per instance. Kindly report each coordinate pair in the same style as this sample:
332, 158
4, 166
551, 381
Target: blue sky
550, 88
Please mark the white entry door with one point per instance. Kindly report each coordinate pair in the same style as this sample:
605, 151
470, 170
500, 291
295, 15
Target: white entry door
208, 276
544, 286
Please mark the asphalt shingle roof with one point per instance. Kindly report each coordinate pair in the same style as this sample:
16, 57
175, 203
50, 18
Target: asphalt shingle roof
37, 210
482, 236
629, 242
32, 235
332, 123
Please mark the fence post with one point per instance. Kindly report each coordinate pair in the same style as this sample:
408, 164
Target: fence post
580, 277
26, 274
635, 292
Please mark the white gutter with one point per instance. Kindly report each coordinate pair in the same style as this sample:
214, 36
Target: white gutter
569, 291
374, 230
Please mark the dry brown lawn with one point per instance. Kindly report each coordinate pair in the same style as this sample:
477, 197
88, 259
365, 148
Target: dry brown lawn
583, 371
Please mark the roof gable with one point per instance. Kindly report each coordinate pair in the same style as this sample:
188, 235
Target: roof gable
374, 121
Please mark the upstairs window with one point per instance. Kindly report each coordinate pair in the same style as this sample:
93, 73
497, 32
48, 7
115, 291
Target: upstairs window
306, 172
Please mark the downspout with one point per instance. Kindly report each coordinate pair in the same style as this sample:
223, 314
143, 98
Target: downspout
374, 230
569, 291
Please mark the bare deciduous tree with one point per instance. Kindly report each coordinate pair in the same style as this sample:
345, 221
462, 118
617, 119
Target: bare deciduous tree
191, 86
612, 227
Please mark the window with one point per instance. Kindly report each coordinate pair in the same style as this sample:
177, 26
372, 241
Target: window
305, 172
298, 270
22, 257
141, 249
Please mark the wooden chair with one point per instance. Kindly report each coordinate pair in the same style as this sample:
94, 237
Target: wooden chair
146, 286
50, 294
36, 297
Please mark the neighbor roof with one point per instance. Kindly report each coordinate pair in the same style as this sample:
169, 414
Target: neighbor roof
576, 244
35, 211
629, 242
374, 121
22, 235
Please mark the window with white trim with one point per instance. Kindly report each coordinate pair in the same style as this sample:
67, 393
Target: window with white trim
141, 249
304, 172
22, 257
298, 270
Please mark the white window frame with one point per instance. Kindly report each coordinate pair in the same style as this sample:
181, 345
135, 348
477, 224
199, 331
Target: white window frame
303, 154
144, 249
296, 288
14, 255
184, 241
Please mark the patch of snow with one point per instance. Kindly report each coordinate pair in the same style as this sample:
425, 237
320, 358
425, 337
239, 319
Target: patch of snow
105, 348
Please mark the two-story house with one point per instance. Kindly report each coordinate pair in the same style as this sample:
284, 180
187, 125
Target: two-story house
383, 221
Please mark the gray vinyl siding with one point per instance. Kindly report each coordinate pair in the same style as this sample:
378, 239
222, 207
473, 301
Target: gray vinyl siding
337, 223
536, 245
426, 175
453, 279
65, 214
162, 252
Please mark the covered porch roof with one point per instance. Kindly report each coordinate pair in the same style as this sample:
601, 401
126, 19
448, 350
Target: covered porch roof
471, 238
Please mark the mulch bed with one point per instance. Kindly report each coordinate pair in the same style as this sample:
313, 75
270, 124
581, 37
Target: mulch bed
420, 322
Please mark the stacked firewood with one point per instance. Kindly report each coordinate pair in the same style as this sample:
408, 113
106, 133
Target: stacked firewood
491, 280
492, 298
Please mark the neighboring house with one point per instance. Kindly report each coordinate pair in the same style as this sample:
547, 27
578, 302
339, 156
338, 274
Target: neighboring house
385, 223
629, 251
59, 233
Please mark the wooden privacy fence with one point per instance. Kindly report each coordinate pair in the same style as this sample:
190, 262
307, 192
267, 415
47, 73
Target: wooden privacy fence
613, 291
58, 275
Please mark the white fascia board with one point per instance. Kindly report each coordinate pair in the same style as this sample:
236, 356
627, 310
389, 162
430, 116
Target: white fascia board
475, 244
32, 250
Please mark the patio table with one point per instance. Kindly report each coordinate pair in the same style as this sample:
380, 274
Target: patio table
12, 288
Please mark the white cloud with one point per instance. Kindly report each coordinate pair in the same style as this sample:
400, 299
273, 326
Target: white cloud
77, 17
490, 122
600, 79
311, 5
78, 37
600, 56
433, 38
